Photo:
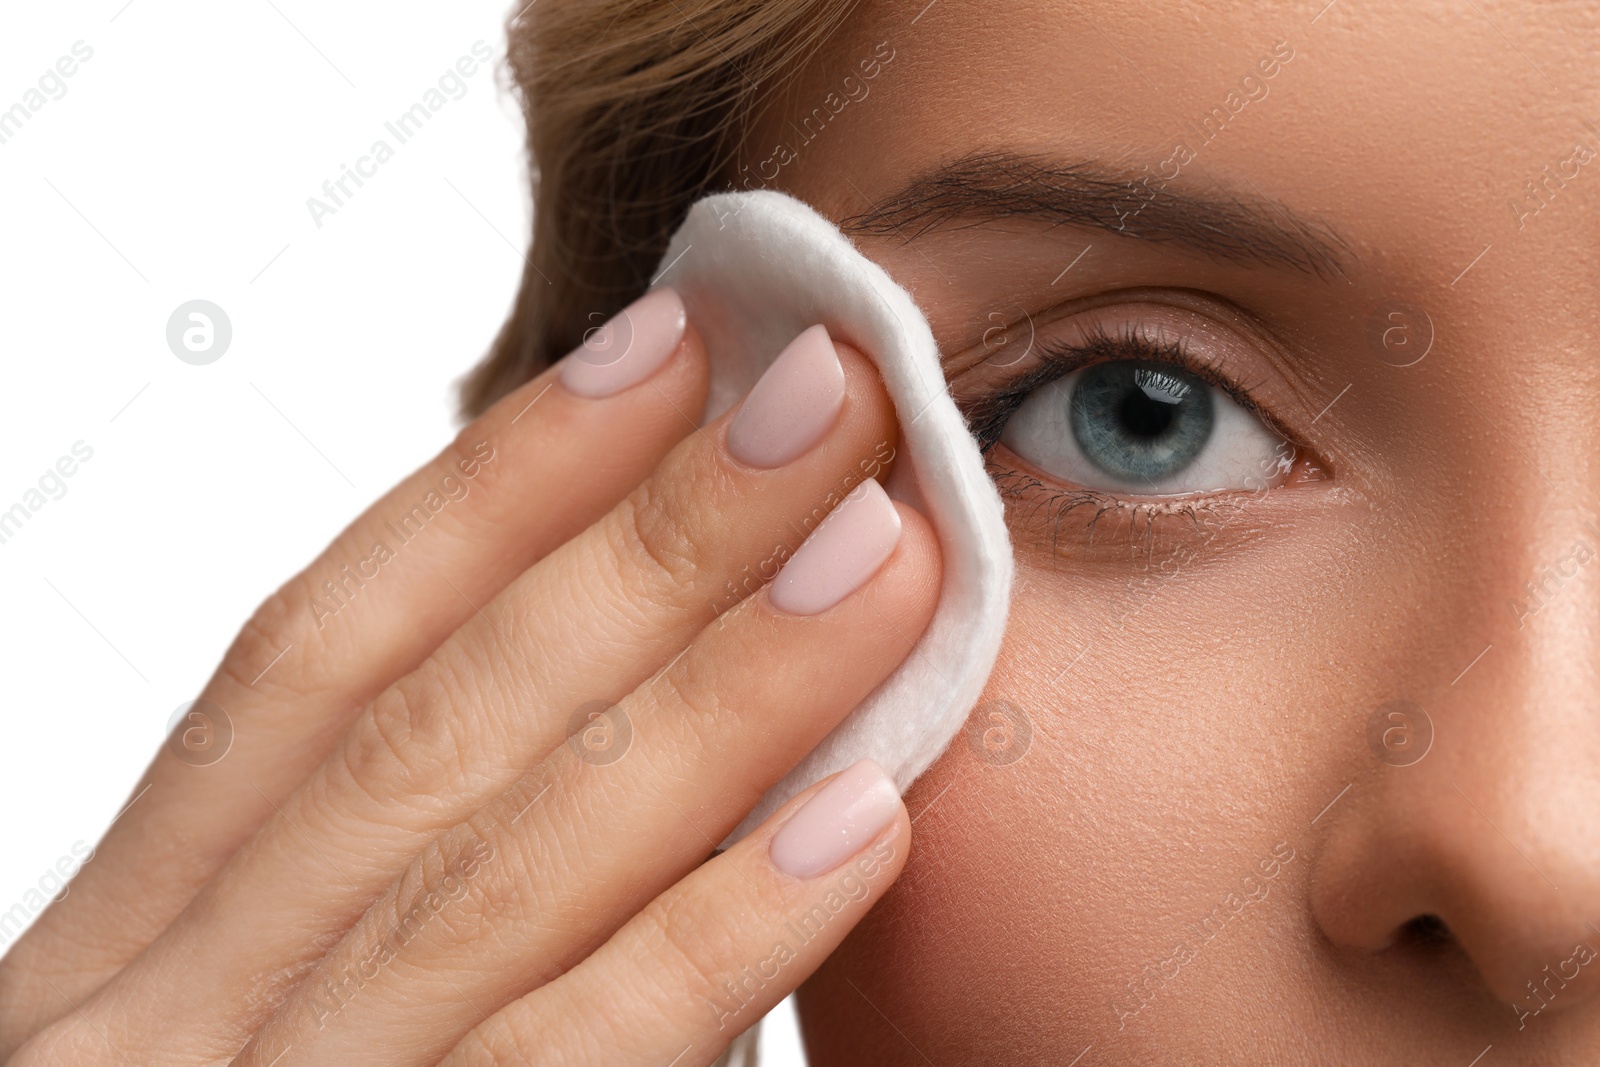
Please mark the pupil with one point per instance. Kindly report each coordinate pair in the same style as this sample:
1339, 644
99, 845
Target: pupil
1144, 417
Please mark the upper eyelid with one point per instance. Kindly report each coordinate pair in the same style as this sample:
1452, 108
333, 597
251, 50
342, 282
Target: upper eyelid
1174, 353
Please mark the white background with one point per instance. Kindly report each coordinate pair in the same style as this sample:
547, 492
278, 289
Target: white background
176, 166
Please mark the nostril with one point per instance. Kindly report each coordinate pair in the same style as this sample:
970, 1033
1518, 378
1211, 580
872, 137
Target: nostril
1427, 933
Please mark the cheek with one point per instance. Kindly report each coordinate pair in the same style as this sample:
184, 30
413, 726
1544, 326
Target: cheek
1107, 886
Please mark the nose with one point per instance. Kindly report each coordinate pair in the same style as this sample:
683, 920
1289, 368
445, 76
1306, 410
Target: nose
1491, 828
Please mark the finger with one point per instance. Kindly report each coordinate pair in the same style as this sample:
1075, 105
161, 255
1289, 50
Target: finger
591, 621
524, 890
717, 951
529, 474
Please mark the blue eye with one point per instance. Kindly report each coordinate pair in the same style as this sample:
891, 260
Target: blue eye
1147, 428
1141, 422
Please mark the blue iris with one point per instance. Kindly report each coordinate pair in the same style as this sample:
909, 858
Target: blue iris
1141, 421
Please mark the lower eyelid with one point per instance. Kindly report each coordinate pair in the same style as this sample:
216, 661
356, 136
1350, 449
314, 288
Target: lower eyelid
1048, 508
1093, 524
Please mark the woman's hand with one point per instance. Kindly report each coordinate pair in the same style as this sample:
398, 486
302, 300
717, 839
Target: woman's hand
483, 747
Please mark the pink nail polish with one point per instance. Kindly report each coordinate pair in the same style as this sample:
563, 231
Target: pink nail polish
841, 555
837, 822
628, 348
793, 405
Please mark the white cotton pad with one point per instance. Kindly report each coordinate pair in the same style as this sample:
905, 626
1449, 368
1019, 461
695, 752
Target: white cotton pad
756, 268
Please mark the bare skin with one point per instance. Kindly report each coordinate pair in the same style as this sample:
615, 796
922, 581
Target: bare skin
1201, 857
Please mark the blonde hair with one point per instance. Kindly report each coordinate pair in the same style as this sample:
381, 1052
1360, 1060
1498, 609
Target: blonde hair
634, 109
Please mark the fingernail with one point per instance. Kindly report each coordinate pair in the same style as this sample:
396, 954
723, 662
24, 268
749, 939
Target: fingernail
841, 555
628, 348
837, 823
792, 406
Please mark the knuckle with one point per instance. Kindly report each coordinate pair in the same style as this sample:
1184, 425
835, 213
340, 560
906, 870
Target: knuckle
506, 1043
693, 688
470, 454
663, 538
445, 885
271, 629
518, 892
404, 748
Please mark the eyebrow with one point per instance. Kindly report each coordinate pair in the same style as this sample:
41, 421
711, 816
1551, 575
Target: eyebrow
989, 186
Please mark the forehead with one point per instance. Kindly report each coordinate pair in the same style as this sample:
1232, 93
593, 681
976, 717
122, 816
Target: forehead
1416, 128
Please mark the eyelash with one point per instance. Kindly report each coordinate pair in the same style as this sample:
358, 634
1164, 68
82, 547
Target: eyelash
987, 417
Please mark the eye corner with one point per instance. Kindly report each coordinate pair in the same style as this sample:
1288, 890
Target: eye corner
1308, 469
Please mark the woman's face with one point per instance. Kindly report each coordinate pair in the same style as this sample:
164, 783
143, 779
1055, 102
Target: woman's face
1284, 321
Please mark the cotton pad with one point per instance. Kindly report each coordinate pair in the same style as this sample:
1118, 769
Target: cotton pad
756, 268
